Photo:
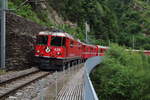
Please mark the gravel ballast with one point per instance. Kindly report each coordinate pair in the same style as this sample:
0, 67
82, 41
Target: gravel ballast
46, 88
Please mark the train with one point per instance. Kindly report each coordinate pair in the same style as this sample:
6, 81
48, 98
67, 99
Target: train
60, 50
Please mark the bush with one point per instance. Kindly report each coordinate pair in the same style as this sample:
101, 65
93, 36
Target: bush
41, 18
26, 11
122, 75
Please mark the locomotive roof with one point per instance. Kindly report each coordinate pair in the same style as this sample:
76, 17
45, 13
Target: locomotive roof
102, 46
62, 34
89, 45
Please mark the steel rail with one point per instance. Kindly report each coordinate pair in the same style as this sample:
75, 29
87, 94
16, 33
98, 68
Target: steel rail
2, 82
5, 94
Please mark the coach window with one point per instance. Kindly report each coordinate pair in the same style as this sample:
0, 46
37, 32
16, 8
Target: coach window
101, 50
79, 46
42, 40
91, 49
87, 49
58, 41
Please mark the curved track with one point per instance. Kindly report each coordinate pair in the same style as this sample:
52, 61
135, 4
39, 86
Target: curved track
8, 87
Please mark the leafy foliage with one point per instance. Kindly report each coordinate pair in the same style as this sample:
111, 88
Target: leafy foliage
116, 21
110, 20
41, 17
27, 12
123, 75
77, 32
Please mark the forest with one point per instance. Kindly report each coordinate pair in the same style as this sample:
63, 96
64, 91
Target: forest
125, 22
122, 75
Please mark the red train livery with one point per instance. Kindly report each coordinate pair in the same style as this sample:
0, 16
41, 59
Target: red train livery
147, 52
58, 50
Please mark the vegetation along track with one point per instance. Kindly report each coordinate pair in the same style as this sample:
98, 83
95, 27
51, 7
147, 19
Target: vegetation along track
9, 86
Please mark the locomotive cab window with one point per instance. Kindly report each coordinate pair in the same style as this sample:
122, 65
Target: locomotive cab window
58, 41
71, 44
42, 40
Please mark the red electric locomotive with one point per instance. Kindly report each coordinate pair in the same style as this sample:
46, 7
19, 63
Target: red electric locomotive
57, 50
54, 49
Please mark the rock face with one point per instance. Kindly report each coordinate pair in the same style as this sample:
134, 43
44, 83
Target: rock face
20, 39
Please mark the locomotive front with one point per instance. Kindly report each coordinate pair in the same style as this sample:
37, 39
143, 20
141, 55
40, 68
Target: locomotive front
50, 46
50, 49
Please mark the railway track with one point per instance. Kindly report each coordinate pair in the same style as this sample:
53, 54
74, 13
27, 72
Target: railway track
17, 76
9, 86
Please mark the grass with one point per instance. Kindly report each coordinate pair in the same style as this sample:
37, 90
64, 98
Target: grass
2, 71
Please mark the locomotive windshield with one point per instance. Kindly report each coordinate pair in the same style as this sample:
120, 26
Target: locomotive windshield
42, 40
58, 41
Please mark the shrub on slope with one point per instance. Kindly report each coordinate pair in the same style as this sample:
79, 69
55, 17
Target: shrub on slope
122, 75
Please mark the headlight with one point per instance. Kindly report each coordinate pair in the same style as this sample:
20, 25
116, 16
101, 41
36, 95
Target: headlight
47, 49
38, 51
58, 53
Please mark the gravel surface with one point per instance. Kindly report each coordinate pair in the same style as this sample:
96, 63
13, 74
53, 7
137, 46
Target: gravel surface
14, 74
45, 89
11, 86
